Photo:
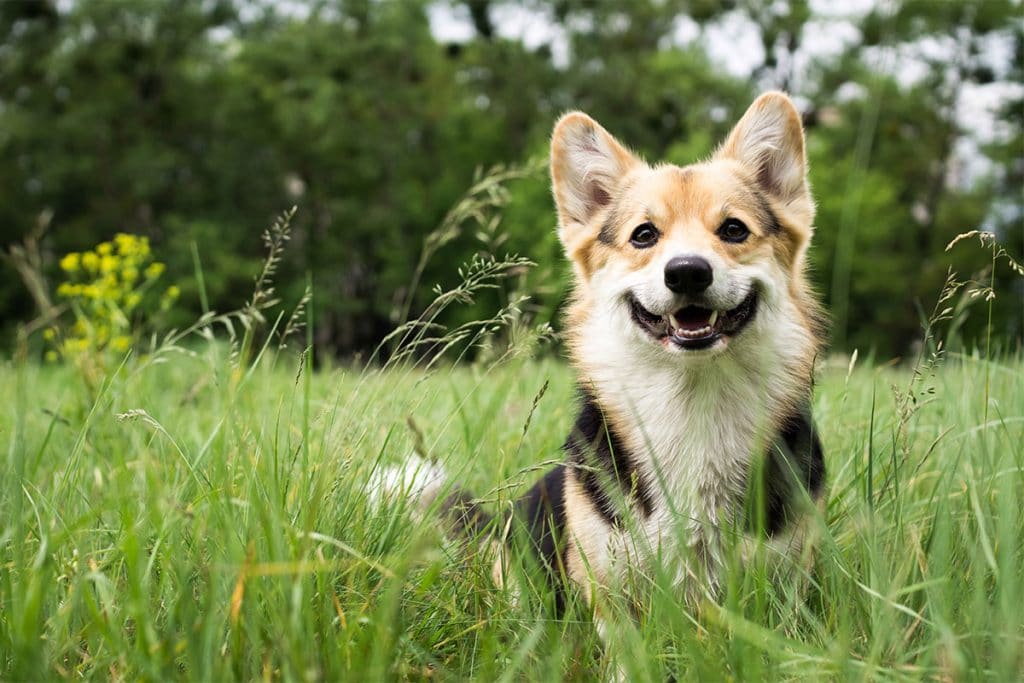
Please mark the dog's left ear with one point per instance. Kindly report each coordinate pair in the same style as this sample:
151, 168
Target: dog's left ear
769, 140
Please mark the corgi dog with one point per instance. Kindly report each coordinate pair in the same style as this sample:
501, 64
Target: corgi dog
694, 332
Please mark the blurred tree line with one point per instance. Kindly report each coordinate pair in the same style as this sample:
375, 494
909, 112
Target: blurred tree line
198, 122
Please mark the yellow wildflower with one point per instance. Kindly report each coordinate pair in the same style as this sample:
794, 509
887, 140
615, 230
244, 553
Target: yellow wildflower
105, 287
124, 242
51, 356
76, 345
154, 270
108, 263
90, 261
70, 262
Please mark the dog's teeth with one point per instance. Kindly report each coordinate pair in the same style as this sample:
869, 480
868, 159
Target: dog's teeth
672, 321
713, 318
694, 334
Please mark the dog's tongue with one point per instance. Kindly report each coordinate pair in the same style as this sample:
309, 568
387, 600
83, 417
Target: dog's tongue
692, 318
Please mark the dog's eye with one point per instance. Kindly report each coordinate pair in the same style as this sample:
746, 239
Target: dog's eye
644, 236
733, 230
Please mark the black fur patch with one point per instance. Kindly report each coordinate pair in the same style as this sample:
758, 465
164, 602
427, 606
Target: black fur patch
794, 461
766, 217
609, 228
542, 511
613, 219
537, 526
600, 459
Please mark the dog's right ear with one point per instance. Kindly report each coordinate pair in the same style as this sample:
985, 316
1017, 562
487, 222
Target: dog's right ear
587, 166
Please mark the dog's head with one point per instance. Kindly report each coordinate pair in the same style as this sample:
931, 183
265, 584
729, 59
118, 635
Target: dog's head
685, 262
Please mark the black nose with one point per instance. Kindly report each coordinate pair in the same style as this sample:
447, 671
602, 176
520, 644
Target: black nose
688, 274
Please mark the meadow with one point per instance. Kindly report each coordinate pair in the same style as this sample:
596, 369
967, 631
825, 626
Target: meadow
193, 505
191, 516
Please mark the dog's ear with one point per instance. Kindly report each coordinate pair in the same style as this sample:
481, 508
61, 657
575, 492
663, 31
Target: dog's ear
587, 166
769, 140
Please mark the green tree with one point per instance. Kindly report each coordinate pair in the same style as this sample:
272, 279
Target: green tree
200, 122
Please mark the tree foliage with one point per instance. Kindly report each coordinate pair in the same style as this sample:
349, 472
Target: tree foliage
200, 122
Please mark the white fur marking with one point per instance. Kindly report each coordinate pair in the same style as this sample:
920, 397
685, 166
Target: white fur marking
415, 479
693, 420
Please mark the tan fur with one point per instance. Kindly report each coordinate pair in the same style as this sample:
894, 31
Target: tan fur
589, 532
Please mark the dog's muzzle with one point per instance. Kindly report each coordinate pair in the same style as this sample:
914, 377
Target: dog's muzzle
695, 327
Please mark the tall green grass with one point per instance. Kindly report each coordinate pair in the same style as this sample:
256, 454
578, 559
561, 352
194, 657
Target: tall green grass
202, 512
196, 519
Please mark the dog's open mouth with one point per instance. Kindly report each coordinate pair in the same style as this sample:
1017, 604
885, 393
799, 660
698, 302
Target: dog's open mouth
695, 327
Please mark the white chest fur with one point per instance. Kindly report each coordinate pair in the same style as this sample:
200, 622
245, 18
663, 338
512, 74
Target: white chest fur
692, 423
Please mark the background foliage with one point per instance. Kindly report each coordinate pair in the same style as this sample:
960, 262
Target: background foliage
199, 122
